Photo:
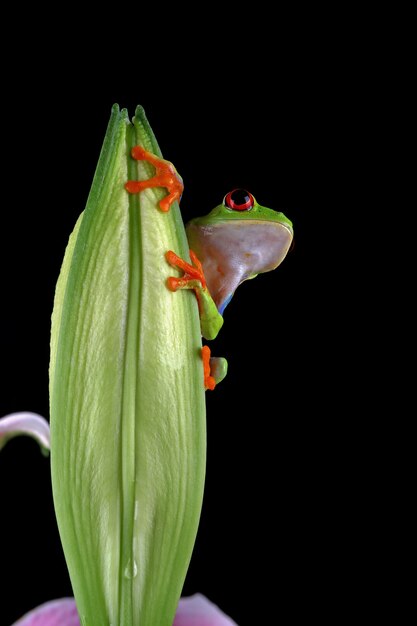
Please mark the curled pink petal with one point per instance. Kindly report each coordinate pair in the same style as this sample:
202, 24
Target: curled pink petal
61, 612
25, 423
197, 610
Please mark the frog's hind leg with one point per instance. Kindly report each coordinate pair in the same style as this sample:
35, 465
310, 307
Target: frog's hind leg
215, 368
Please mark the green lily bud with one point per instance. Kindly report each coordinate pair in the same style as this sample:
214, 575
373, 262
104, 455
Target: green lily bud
127, 399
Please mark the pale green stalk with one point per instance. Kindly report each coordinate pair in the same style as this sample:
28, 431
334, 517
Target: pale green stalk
128, 438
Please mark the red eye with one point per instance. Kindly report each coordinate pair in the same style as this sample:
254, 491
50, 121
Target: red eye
239, 200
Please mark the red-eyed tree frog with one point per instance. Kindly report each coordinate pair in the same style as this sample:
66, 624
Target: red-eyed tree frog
236, 241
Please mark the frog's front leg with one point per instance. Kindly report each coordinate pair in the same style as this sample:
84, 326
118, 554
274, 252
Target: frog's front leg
193, 278
215, 368
166, 176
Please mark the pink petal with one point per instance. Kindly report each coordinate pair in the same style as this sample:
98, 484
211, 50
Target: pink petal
193, 611
55, 613
197, 610
25, 423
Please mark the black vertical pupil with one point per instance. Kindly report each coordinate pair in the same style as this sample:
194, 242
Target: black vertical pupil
240, 196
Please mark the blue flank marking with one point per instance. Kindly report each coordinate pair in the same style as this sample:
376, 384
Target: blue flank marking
225, 303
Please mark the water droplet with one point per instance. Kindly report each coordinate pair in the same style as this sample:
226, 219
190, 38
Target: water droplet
131, 569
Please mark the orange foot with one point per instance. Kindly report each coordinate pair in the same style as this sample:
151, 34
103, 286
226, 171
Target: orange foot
193, 277
166, 176
215, 368
209, 381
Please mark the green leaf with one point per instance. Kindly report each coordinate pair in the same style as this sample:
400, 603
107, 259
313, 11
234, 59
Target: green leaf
128, 439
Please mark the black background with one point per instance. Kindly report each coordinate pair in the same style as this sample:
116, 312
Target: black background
279, 533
